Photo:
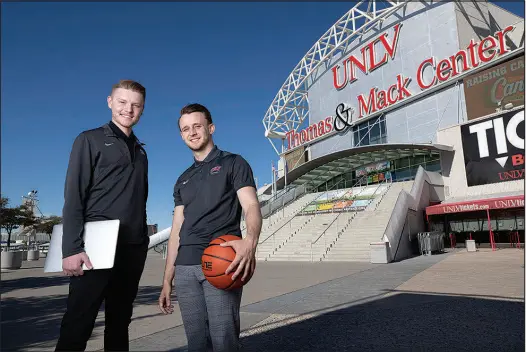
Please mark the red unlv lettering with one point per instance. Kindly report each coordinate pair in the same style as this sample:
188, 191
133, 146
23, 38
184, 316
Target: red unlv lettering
511, 175
368, 62
509, 203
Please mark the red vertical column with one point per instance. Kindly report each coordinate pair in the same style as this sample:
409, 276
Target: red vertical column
492, 240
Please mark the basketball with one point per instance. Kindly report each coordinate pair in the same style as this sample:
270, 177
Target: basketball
215, 261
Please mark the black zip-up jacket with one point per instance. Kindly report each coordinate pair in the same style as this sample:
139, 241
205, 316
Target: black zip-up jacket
105, 181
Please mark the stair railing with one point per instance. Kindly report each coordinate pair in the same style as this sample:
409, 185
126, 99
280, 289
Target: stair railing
308, 219
336, 219
390, 184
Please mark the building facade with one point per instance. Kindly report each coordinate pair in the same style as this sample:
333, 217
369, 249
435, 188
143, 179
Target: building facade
437, 85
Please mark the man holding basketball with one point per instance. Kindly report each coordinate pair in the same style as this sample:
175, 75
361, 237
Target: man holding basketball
209, 198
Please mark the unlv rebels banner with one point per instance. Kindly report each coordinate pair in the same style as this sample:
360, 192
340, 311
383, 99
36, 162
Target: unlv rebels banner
494, 149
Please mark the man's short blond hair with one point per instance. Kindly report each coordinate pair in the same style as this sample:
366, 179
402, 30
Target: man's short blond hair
130, 85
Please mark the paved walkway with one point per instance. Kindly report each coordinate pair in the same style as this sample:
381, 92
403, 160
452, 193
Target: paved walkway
450, 302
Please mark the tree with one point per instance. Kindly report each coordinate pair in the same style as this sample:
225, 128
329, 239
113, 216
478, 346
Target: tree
12, 218
46, 224
3, 202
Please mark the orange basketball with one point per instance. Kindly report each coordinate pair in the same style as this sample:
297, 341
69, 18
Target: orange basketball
215, 261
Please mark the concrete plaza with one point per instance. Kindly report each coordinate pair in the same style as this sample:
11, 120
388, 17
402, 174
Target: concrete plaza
455, 301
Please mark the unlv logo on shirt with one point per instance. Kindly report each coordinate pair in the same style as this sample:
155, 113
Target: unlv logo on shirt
494, 149
215, 170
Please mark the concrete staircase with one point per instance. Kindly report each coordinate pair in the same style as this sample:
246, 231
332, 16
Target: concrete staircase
298, 246
271, 245
353, 244
275, 237
276, 220
310, 243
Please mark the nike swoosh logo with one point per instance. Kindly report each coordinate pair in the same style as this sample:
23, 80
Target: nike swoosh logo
108, 144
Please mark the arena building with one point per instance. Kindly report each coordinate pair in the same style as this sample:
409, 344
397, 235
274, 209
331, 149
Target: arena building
403, 118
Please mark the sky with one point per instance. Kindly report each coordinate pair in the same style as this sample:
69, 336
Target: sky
59, 61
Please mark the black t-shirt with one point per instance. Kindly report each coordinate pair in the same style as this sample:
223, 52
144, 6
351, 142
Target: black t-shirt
130, 141
207, 189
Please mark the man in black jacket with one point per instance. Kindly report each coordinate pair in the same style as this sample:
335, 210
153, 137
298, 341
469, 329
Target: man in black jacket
107, 178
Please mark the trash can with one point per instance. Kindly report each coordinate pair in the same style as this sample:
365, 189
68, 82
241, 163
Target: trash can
471, 246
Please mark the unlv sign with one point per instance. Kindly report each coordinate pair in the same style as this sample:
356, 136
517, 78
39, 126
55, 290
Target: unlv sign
478, 205
367, 62
494, 149
477, 54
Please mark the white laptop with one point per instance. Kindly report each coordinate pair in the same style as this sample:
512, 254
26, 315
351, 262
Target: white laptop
100, 244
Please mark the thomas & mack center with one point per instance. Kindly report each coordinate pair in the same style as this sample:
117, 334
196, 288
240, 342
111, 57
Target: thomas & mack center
400, 132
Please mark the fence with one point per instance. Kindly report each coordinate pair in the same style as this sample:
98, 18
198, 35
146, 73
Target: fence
272, 205
430, 242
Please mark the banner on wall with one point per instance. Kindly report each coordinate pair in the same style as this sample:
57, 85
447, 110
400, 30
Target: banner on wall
340, 201
494, 149
377, 172
337, 205
503, 83
295, 158
373, 168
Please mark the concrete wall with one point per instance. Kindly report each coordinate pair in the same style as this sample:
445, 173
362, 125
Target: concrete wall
454, 172
407, 218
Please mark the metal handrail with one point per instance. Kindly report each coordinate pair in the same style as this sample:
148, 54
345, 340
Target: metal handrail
383, 195
390, 182
278, 194
402, 233
336, 218
273, 233
278, 209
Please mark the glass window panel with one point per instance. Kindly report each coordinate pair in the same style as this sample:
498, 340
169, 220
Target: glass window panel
375, 131
418, 159
383, 127
433, 166
364, 137
403, 173
341, 180
432, 157
402, 163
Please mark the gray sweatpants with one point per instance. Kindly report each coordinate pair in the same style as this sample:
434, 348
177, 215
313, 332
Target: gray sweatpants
210, 315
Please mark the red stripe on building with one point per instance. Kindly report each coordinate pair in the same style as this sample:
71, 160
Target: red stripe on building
477, 205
